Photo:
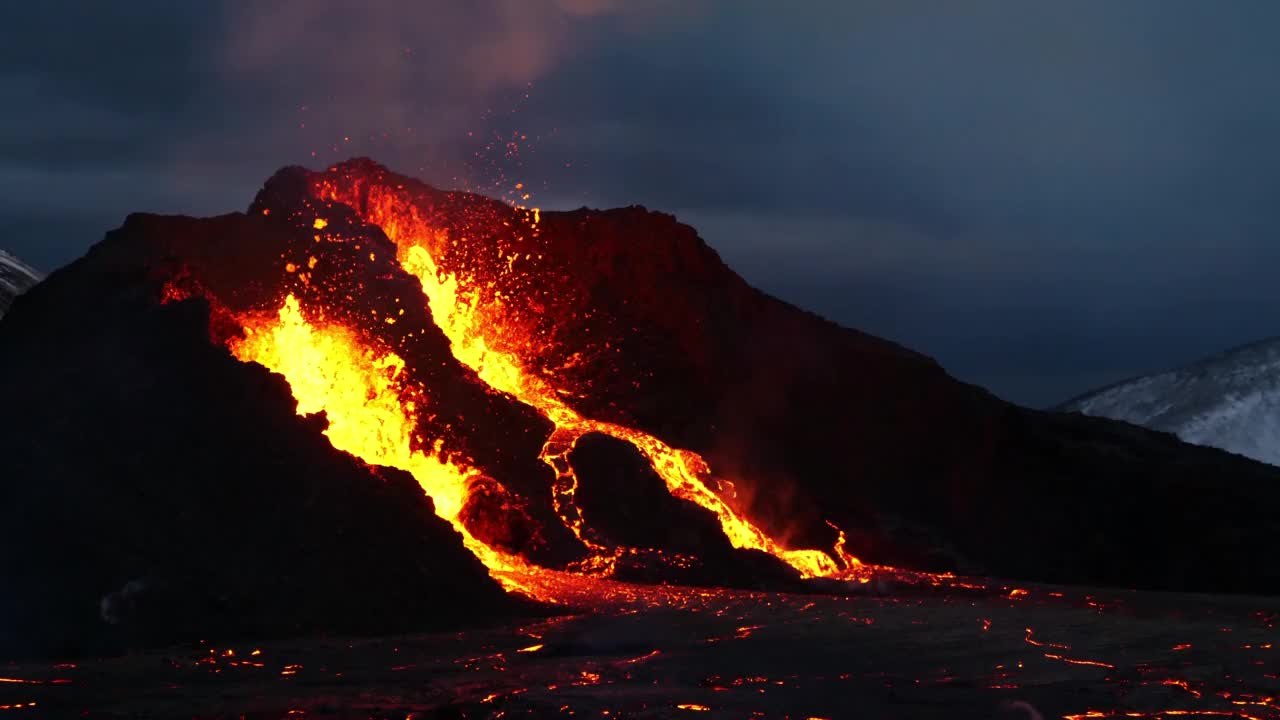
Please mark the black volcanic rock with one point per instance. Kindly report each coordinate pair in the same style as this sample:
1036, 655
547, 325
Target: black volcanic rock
156, 490
625, 503
816, 422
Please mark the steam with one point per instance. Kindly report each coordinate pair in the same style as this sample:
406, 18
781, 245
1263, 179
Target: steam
382, 66
508, 42
121, 606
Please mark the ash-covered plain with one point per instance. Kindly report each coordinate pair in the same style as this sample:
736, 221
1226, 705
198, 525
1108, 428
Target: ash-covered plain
992, 651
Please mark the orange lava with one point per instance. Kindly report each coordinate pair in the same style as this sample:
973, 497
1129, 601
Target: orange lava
372, 413
487, 336
373, 407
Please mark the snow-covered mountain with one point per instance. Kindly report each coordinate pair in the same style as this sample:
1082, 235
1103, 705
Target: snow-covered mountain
1229, 401
16, 277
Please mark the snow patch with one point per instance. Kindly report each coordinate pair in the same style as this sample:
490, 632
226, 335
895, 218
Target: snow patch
1230, 401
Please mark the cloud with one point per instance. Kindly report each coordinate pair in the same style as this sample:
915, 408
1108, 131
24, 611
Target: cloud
392, 65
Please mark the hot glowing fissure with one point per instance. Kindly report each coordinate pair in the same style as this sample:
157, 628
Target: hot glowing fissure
373, 413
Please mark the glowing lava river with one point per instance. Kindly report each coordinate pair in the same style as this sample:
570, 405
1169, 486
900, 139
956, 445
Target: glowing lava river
373, 412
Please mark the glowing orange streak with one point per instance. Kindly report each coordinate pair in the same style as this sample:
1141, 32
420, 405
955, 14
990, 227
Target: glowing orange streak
555, 453
651, 655
1185, 685
479, 339
1073, 661
1038, 643
371, 415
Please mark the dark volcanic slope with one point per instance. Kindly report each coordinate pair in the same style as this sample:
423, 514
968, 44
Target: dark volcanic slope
815, 421
155, 489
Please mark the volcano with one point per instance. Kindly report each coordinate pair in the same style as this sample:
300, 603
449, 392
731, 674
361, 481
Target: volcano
381, 404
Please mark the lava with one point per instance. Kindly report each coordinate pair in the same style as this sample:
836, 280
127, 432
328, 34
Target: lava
371, 412
640, 651
487, 334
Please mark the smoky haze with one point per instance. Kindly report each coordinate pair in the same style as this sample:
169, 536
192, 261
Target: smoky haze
1045, 197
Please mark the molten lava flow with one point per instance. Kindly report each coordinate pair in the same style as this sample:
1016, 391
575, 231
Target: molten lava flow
476, 318
371, 413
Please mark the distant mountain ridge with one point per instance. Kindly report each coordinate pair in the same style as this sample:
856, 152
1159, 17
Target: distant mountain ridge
16, 277
1230, 400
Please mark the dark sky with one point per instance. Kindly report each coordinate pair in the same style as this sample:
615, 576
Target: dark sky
1044, 196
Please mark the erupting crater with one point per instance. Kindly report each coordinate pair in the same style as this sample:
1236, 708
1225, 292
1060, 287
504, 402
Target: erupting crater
480, 279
